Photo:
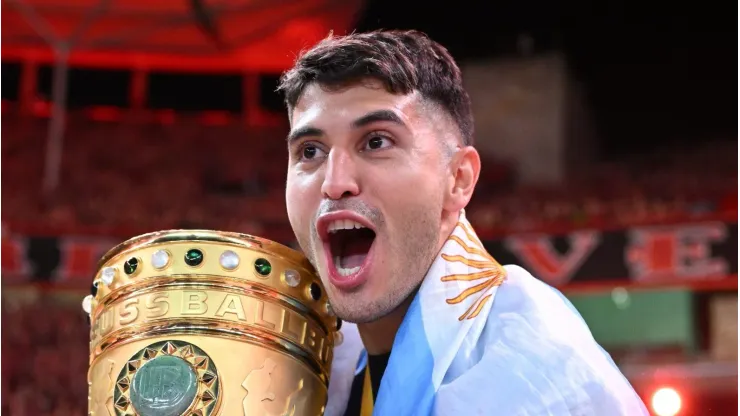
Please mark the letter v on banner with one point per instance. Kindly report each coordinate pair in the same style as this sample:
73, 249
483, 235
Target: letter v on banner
547, 264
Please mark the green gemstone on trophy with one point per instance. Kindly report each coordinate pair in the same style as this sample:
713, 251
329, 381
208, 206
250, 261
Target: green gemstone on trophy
130, 266
164, 386
194, 257
263, 267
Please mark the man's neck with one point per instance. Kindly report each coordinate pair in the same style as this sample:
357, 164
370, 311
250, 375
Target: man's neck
378, 336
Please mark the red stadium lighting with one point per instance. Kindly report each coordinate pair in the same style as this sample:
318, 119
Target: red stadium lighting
666, 402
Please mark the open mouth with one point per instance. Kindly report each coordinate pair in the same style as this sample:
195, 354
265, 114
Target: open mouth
349, 243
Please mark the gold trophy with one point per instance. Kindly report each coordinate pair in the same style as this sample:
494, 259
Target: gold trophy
208, 323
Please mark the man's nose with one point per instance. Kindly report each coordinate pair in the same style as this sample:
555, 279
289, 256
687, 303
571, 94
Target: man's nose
341, 176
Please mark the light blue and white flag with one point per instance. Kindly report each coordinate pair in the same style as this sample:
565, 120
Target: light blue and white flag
485, 339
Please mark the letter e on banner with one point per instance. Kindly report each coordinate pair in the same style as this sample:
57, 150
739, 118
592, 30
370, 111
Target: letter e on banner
546, 263
684, 252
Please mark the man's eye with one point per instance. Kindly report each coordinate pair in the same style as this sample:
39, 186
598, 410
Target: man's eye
310, 152
378, 142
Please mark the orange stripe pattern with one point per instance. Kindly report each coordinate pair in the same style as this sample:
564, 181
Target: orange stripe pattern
492, 273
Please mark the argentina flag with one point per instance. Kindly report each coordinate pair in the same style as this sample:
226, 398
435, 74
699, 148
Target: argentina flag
484, 339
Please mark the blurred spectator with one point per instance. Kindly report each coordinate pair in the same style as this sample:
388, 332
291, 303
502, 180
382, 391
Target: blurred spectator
144, 177
45, 357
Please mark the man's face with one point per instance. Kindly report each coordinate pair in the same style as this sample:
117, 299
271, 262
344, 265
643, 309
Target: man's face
365, 194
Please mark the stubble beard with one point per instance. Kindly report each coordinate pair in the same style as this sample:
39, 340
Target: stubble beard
411, 256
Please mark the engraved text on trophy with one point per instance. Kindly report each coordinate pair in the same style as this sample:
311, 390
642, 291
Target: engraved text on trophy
265, 315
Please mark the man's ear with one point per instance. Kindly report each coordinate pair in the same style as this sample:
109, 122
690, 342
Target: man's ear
464, 173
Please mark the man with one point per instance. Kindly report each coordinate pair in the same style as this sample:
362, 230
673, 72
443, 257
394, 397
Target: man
381, 167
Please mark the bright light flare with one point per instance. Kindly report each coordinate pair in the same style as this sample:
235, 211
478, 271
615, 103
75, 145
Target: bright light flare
666, 402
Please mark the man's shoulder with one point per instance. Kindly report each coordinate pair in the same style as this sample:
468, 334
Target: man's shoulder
531, 299
538, 345
535, 356
527, 312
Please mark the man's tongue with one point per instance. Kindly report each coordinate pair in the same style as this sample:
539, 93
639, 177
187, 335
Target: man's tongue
352, 253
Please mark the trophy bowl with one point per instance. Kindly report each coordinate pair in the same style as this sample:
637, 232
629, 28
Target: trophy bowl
196, 322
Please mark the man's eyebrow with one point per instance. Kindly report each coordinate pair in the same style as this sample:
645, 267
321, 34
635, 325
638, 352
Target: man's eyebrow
302, 132
377, 116
369, 118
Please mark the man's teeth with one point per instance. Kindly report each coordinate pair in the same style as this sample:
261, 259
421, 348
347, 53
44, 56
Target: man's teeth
344, 271
344, 225
347, 272
335, 226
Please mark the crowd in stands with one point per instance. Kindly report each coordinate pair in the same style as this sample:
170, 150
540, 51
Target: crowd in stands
142, 177
146, 176
45, 355
671, 184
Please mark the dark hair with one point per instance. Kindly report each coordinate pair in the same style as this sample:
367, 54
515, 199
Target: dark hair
405, 61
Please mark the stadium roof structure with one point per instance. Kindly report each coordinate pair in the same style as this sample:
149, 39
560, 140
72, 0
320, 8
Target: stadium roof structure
177, 35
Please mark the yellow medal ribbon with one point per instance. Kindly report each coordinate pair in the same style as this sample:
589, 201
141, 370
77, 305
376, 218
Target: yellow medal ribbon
367, 394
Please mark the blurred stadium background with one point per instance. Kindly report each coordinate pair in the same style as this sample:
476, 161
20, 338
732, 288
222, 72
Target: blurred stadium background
608, 131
